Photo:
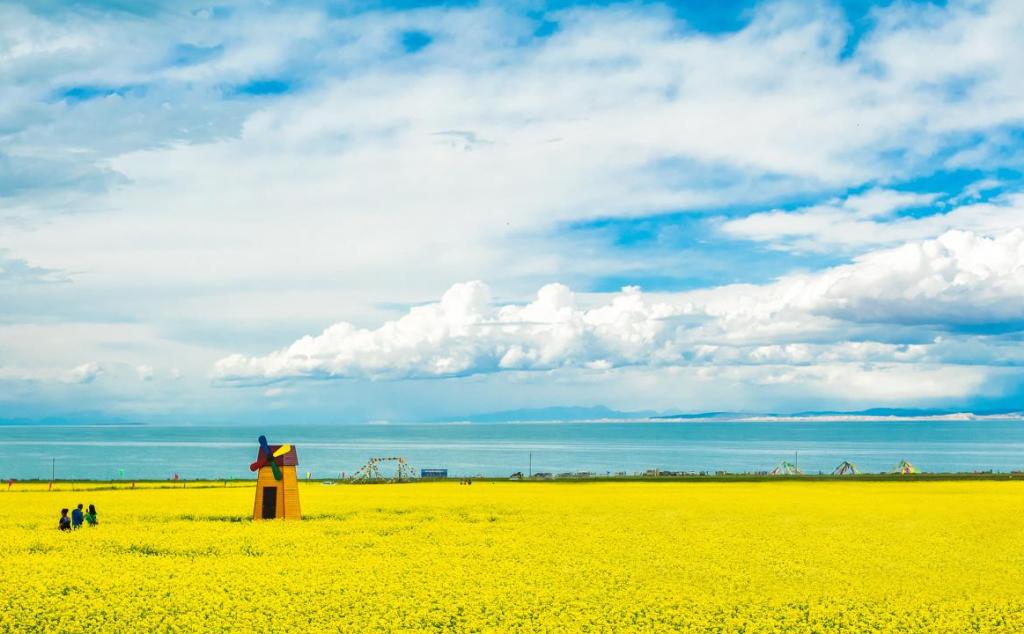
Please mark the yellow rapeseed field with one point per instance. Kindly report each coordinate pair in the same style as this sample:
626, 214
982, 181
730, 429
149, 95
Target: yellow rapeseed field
600, 557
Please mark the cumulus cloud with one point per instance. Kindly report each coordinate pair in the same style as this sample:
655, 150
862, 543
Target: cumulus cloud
465, 333
960, 279
869, 219
845, 314
85, 373
257, 160
78, 375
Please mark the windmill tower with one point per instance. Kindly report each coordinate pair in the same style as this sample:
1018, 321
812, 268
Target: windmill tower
277, 487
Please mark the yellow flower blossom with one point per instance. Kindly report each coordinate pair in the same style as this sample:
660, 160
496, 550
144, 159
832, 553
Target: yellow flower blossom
528, 557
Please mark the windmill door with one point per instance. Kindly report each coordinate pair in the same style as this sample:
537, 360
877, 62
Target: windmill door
269, 503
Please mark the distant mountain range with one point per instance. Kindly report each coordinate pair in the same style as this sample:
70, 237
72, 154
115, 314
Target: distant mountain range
597, 412
600, 412
88, 418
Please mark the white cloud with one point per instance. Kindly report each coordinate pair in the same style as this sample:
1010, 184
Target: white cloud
356, 155
866, 220
958, 279
465, 333
144, 372
883, 202
277, 392
884, 382
841, 317
78, 375
382, 177
85, 373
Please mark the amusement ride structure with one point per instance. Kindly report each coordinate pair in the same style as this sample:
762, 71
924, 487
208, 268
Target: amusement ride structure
371, 472
846, 468
905, 468
786, 468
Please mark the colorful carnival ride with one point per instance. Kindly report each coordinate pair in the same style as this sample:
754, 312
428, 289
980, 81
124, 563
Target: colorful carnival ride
846, 468
905, 468
786, 468
371, 471
277, 487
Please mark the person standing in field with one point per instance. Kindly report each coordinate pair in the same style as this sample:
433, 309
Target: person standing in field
65, 521
90, 516
77, 517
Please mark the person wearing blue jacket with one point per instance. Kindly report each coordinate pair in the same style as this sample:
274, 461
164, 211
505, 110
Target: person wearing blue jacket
77, 517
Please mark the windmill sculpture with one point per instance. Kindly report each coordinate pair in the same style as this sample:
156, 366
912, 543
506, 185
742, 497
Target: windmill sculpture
277, 488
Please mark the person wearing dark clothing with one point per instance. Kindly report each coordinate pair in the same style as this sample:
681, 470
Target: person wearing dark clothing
77, 517
90, 516
65, 521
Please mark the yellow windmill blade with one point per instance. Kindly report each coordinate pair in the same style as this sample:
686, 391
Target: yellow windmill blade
282, 450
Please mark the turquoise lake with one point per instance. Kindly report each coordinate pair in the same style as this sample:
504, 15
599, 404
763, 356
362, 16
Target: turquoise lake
500, 449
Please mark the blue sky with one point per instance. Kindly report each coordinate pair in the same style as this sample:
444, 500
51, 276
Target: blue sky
303, 211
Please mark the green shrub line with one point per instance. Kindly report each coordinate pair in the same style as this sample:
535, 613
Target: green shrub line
204, 483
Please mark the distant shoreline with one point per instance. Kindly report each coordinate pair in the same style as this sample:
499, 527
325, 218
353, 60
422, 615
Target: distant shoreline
206, 483
639, 420
959, 418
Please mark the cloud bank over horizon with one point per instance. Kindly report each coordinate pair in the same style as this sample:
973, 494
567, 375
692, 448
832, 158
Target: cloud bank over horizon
915, 305
807, 204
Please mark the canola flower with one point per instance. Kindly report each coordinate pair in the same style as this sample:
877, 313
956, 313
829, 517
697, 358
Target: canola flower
530, 557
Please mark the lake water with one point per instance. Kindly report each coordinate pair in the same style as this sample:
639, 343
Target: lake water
499, 449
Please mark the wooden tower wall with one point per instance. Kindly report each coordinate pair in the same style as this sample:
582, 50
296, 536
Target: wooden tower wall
287, 493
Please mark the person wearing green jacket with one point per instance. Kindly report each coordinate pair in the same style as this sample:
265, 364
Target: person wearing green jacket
90, 516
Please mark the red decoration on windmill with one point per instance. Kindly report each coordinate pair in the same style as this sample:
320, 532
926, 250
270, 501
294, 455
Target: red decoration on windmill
277, 487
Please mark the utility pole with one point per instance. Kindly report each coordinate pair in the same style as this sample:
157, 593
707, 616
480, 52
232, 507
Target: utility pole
530, 471
53, 469
796, 459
